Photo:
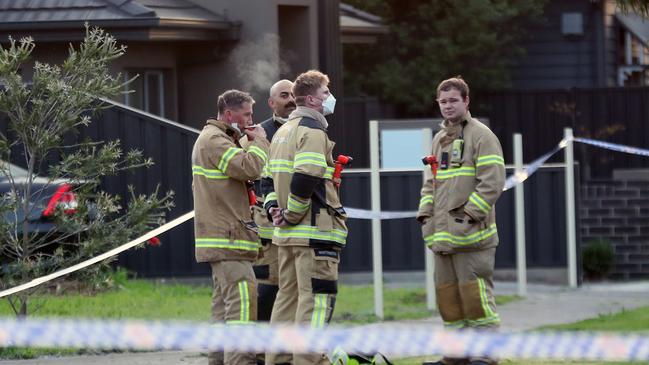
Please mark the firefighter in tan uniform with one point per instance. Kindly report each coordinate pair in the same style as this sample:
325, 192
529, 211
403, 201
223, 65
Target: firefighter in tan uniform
309, 218
226, 236
457, 210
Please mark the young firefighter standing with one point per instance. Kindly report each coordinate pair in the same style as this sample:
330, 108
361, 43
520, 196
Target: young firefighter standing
226, 237
459, 218
309, 218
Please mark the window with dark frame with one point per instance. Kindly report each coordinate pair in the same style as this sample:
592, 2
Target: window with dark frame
146, 91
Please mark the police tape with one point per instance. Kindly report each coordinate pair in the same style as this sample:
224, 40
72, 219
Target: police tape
394, 340
614, 146
371, 214
519, 177
43, 279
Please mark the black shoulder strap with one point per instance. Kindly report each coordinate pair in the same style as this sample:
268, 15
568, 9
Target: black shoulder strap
311, 123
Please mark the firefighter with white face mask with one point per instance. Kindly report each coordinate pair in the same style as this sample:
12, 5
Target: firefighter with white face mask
458, 216
309, 219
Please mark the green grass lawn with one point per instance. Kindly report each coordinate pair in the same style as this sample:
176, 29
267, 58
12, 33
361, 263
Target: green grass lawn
147, 300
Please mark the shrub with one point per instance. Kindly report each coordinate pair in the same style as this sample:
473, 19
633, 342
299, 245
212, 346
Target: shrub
597, 258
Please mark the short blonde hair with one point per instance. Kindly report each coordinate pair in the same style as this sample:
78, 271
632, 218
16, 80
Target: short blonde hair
308, 83
457, 83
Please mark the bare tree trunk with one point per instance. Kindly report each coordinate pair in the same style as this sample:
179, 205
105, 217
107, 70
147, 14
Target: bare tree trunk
22, 313
26, 199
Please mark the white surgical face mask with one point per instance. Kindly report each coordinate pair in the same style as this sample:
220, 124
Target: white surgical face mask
328, 105
235, 126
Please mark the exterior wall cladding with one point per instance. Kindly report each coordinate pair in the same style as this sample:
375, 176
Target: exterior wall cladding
618, 211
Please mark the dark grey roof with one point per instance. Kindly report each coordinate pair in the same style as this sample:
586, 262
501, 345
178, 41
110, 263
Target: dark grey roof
358, 26
346, 9
34, 15
635, 24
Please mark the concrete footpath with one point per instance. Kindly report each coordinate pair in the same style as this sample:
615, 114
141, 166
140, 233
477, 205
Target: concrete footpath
544, 305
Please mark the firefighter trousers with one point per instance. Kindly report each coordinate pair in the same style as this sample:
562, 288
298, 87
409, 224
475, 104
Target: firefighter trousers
234, 301
465, 296
266, 272
308, 279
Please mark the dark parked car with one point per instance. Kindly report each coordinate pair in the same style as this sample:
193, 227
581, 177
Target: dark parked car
47, 196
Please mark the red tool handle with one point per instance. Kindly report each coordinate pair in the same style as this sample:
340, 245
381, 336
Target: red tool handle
341, 162
432, 161
252, 197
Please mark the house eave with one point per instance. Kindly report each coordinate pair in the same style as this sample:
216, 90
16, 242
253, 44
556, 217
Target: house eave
140, 29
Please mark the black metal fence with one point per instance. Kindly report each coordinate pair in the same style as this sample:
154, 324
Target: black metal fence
617, 115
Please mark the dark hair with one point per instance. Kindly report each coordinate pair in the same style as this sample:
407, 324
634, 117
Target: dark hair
233, 99
308, 83
457, 83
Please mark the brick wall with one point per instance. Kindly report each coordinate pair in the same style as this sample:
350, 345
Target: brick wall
618, 211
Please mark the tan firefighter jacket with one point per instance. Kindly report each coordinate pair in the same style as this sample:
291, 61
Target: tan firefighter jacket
457, 207
220, 167
301, 166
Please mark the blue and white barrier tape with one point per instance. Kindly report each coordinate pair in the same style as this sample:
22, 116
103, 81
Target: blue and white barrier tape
370, 214
394, 340
614, 146
532, 167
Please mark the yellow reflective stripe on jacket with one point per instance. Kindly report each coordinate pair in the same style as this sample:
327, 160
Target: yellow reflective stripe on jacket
280, 166
226, 243
296, 206
270, 197
244, 301
210, 174
459, 240
287, 166
319, 311
227, 156
426, 199
266, 232
310, 158
455, 172
310, 232
329, 173
265, 172
476, 199
259, 152
490, 160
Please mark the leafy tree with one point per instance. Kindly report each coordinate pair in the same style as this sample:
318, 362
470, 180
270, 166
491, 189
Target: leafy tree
41, 118
431, 40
